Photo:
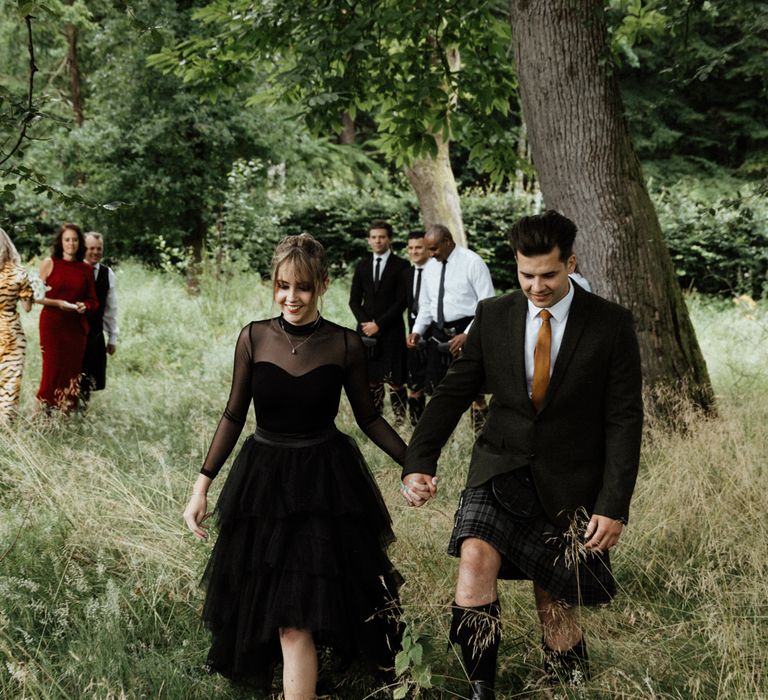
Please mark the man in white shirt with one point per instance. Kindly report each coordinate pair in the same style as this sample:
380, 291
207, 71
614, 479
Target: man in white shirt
104, 319
455, 280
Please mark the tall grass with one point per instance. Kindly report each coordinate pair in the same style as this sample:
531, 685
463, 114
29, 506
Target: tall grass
99, 593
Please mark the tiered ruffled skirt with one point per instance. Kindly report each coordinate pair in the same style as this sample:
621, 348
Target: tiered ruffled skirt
302, 541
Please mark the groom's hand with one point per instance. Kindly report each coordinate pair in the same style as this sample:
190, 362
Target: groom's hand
417, 489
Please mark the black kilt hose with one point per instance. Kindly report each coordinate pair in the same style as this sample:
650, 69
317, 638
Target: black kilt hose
533, 549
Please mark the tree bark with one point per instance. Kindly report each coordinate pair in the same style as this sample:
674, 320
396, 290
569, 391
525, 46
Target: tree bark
432, 178
435, 186
74, 74
347, 134
588, 171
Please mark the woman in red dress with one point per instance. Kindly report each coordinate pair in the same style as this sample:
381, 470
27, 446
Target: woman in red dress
70, 293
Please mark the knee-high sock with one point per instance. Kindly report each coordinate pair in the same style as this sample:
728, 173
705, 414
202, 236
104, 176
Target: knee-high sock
478, 632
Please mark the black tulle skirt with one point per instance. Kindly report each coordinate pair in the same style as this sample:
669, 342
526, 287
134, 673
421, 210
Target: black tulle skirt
302, 538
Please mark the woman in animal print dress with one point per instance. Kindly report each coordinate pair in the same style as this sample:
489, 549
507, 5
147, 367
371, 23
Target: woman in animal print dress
14, 287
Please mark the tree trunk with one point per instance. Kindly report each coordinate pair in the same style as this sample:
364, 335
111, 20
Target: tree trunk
588, 170
432, 178
435, 186
526, 183
347, 134
74, 74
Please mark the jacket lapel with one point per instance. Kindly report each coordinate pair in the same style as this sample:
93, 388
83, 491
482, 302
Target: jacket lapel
386, 273
577, 318
516, 334
368, 270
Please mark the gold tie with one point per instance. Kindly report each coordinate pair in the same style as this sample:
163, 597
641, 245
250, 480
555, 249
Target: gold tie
541, 360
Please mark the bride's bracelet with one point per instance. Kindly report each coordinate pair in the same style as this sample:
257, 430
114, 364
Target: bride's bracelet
200, 493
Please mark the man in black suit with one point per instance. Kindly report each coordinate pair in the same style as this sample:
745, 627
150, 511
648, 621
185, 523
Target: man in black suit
377, 301
551, 476
103, 320
419, 255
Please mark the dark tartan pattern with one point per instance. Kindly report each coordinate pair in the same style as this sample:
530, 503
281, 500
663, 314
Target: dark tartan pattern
534, 550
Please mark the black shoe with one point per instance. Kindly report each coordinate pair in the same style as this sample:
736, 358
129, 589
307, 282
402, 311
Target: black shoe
570, 667
482, 691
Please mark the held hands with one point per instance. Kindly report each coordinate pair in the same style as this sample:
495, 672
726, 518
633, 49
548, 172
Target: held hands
413, 341
195, 514
80, 307
369, 328
602, 533
68, 306
417, 489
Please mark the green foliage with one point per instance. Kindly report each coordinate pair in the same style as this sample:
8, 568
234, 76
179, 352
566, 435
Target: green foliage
148, 146
411, 664
718, 242
695, 81
257, 216
634, 21
21, 113
392, 61
488, 218
257, 213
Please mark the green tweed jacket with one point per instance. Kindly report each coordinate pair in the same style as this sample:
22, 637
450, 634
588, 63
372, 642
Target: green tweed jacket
583, 445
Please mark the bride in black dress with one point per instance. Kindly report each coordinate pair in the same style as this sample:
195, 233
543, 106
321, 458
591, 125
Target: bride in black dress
300, 561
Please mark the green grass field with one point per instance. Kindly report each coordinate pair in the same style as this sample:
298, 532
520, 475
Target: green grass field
99, 593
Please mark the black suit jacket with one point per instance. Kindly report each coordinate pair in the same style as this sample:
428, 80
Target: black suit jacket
384, 305
583, 445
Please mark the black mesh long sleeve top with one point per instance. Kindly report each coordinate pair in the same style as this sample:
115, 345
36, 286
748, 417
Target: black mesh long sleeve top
294, 376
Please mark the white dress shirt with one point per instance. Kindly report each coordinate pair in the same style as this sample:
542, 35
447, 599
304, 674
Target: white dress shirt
110, 305
467, 282
557, 323
420, 300
384, 257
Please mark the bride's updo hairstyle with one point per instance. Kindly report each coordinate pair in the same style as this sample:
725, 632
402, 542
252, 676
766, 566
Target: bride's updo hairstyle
307, 257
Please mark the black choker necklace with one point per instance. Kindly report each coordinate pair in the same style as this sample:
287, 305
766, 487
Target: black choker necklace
281, 321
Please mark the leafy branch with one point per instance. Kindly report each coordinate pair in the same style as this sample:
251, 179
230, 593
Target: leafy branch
30, 112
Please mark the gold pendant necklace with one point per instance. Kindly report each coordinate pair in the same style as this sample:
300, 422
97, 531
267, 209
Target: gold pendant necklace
294, 348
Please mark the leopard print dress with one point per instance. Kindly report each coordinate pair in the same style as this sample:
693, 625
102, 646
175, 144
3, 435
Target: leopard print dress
14, 285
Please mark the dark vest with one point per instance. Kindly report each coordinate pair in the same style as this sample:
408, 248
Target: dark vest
96, 319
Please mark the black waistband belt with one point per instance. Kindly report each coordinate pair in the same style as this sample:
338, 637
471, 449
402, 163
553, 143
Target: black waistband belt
265, 437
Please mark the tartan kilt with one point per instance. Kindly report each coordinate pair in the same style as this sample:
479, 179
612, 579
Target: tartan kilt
534, 549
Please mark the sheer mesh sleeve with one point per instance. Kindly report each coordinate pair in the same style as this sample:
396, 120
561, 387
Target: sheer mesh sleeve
368, 418
232, 422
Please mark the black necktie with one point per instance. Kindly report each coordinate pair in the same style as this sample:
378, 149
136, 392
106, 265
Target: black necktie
415, 311
441, 298
377, 274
